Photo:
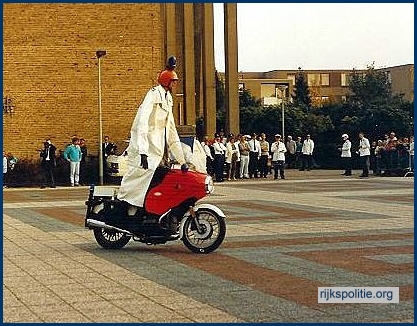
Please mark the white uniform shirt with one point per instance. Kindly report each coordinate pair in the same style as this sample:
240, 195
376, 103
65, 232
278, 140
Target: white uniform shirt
255, 146
219, 148
347, 145
278, 150
364, 147
308, 147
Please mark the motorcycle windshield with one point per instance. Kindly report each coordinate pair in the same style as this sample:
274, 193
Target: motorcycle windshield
194, 154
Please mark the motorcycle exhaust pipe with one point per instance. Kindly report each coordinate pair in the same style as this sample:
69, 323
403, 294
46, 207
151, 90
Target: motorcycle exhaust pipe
100, 224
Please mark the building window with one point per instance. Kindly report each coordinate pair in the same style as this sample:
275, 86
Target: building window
325, 99
313, 79
325, 79
318, 79
344, 98
344, 79
241, 87
268, 90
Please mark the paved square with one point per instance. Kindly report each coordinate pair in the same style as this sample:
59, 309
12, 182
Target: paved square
284, 239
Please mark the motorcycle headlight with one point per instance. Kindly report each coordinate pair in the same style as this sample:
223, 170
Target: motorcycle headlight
209, 184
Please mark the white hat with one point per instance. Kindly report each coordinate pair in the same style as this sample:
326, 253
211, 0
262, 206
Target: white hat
345, 136
278, 135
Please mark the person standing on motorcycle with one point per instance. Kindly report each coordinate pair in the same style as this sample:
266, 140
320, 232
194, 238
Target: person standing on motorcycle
152, 133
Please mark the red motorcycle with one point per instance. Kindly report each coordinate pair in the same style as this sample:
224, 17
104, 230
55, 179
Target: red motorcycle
170, 213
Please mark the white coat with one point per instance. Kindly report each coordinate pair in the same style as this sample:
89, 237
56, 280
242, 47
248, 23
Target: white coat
347, 145
230, 151
278, 150
153, 128
364, 147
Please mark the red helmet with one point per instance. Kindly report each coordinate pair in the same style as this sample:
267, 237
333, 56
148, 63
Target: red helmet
166, 76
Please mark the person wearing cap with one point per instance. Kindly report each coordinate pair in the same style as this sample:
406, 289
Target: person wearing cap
278, 150
153, 135
346, 155
48, 163
219, 155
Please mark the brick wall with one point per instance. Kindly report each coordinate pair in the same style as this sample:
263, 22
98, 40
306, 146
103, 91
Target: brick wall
50, 70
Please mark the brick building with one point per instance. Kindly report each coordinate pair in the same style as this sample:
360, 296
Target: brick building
50, 68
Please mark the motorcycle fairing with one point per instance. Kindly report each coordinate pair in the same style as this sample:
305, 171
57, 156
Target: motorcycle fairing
177, 187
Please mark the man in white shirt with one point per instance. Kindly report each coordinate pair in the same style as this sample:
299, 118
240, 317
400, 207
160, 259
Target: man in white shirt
364, 153
346, 155
307, 152
219, 154
278, 150
209, 158
254, 155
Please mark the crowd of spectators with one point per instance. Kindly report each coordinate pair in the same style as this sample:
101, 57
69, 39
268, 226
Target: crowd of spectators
251, 156
392, 154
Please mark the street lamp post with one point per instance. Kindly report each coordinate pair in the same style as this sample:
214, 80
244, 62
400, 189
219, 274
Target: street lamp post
282, 88
100, 54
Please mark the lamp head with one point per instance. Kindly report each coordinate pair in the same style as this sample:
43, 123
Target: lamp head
100, 53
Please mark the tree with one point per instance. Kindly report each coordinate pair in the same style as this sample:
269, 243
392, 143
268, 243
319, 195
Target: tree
373, 108
301, 94
368, 87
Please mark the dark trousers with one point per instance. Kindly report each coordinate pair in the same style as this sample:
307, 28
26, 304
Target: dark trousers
291, 161
237, 174
253, 164
347, 165
298, 160
365, 165
218, 166
209, 166
279, 165
307, 162
48, 173
263, 165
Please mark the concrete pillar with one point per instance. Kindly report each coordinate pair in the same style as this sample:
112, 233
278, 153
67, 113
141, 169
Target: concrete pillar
209, 80
171, 11
231, 57
170, 28
189, 65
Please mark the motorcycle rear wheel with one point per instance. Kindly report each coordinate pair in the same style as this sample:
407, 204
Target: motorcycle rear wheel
110, 239
212, 236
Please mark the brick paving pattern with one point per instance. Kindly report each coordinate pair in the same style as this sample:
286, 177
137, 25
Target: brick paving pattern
284, 239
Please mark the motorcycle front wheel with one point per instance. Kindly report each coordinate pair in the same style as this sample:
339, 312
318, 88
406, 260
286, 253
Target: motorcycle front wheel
211, 234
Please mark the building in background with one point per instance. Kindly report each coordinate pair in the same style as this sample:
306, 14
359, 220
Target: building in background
326, 86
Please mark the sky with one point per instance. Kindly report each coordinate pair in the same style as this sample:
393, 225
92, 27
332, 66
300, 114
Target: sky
286, 36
